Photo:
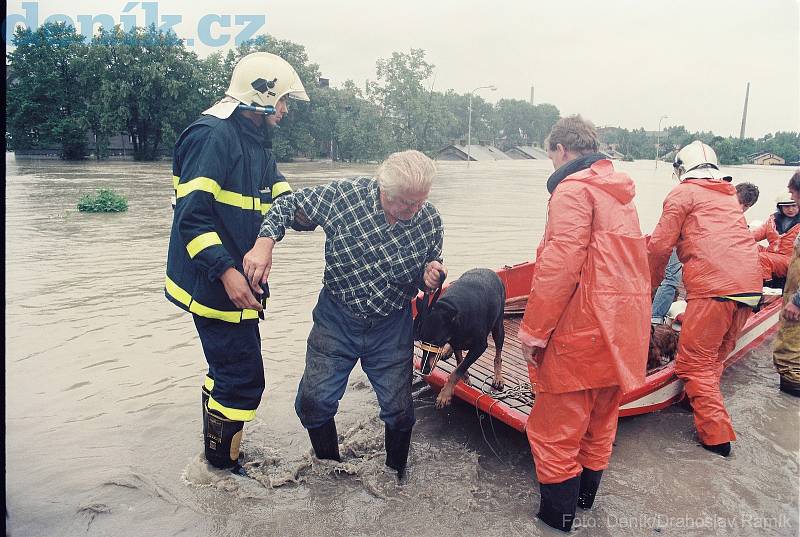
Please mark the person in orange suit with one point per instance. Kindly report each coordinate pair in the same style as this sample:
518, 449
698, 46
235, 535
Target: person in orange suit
721, 273
780, 231
586, 326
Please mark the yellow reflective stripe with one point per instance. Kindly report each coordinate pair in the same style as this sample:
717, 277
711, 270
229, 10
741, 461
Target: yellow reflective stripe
235, 414
198, 183
211, 313
227, 197
265, 208
238, 200
179, 294
280, 188
249, 314
175, 181
201, 242
747, 300
208, 384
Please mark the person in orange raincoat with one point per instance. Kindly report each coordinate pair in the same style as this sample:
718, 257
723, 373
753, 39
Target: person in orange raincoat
780, 231
722, 278
586, 326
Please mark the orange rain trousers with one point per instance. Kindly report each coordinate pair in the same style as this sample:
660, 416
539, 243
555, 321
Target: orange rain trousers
773, 264
571, 431
709, 332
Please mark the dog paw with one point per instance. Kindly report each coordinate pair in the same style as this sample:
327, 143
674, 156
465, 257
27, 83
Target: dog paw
466, 380
498, 385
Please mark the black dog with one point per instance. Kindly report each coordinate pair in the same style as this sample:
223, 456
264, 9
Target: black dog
468, 310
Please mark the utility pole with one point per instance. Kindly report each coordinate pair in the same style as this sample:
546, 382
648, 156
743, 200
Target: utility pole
744, 113
658, 134
531, 94
469, 121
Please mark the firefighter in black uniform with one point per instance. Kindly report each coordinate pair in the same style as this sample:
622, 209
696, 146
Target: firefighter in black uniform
225, 179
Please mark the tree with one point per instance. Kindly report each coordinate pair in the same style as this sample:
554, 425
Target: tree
414, 119
545, 116
784, 144
45, 103
151, 86
517, 120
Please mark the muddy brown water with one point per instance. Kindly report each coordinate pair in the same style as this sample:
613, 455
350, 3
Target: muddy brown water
103, 387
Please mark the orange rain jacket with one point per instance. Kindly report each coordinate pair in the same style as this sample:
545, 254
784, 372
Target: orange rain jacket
590, 296
778, 243
703, 218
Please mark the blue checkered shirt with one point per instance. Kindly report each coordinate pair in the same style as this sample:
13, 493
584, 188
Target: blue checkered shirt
373, 267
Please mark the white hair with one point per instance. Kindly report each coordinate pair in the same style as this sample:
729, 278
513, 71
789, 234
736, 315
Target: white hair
406, 171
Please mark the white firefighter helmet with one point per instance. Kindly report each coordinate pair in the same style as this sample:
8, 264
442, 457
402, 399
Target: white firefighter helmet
259, 79
696, 161
785, 198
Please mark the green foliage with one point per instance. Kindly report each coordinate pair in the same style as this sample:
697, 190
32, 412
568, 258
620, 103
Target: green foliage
640, 144
406, 104
151, 86
104, 201
144, 83
523, 123
45, 107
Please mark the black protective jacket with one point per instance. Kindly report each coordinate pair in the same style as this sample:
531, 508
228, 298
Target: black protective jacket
225, 180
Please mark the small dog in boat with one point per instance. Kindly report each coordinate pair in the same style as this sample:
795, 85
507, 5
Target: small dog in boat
463, 317
663, 345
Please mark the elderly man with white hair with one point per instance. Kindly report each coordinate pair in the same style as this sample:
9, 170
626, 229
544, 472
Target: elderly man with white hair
383, 244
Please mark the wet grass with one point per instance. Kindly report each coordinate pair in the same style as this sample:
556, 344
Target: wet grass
104, 201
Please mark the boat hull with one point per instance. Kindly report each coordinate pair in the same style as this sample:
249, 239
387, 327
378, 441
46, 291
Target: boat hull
512, 405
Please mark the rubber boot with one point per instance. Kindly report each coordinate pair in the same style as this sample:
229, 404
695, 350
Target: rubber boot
325, 441
723, 449
590, 481
558, 503
222, 439
397, 444
789, 386
204, 396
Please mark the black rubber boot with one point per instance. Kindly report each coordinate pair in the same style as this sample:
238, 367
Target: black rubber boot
723, 449
222, 439
325, 441
789, 386
204, 400
397, 444
590, 481
558, 503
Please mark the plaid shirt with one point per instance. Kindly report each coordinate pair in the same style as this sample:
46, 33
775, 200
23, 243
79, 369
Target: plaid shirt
373, 267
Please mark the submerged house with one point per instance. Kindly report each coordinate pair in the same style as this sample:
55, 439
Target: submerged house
476, 152
765, 158
522, 152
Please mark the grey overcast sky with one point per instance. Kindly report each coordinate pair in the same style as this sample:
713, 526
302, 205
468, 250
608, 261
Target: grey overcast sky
617, 62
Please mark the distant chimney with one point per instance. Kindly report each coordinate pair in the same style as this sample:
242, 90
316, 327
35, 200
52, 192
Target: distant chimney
744, 113
324, 82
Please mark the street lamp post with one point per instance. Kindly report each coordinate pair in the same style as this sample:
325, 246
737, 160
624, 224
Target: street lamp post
469, 121
658, 134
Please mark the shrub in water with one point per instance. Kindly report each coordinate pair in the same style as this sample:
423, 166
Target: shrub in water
105, 201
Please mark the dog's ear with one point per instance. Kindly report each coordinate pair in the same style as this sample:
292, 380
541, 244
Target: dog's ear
447, 310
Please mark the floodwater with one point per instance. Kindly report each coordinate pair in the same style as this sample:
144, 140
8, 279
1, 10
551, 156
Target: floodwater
103, 379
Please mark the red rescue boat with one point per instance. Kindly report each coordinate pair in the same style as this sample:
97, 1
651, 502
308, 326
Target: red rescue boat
513, 404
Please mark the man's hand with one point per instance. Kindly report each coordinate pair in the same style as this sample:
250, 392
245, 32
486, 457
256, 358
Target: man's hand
431, 278
239, 291
532, 354
258, 262
302, 222
791, 312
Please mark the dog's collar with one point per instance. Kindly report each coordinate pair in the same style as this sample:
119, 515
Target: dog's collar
430, 347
